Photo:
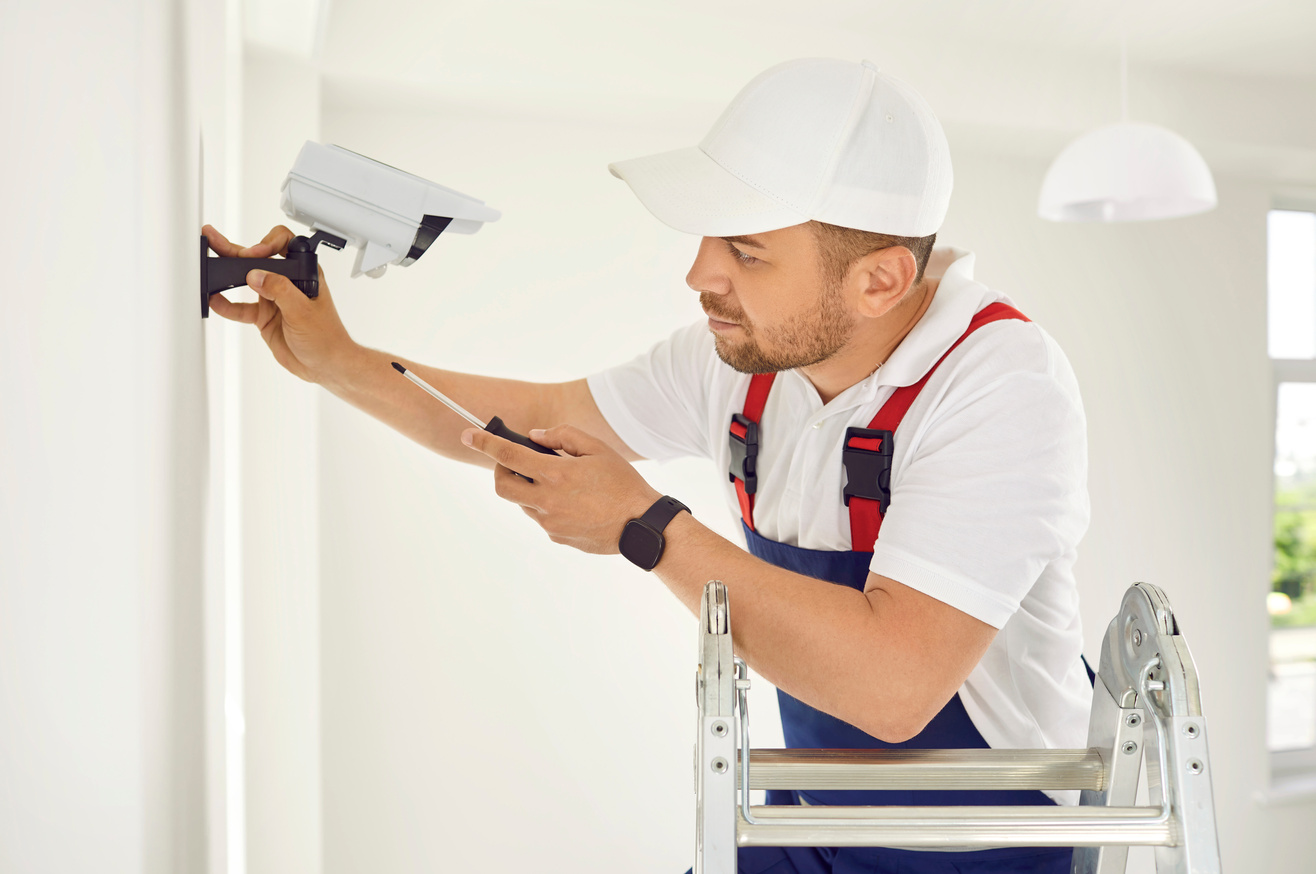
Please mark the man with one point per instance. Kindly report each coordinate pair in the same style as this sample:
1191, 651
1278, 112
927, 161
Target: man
905, 449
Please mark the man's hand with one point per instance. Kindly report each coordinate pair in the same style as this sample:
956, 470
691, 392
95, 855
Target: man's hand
583, 499
305, 335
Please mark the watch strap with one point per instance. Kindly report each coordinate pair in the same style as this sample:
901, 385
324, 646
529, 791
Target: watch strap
663, 511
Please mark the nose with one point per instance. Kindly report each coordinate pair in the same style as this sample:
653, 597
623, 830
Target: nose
707, 274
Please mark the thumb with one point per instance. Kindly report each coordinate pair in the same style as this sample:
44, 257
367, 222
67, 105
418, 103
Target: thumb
275, 287
569, 439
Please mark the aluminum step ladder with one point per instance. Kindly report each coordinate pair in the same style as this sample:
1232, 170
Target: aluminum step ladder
1145, 706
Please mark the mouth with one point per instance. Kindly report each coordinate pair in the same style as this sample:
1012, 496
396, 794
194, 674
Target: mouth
717, 324
717, 318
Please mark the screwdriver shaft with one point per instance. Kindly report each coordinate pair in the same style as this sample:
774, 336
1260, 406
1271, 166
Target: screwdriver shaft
438, 395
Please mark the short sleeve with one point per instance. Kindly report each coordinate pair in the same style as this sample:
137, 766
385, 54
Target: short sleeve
658, 403
993, 492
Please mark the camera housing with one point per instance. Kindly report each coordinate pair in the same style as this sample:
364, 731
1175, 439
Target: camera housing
389, 216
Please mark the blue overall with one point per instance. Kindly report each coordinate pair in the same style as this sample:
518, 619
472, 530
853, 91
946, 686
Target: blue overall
807, 728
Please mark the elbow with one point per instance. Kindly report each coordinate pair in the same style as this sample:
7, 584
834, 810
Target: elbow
895, 725
892, 732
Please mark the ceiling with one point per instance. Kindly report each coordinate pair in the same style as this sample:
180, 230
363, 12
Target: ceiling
1036, 67
427, 42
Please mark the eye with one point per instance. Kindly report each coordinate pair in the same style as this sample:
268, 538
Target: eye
741, 256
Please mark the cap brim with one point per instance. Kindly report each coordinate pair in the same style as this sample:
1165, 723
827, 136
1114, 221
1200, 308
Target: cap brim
689, 191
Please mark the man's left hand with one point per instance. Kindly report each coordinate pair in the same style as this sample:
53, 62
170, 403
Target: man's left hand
582, 499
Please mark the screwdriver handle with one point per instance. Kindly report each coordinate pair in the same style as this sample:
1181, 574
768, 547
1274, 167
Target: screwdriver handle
498, 428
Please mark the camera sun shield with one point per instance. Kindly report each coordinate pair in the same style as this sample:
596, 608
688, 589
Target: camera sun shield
389, 216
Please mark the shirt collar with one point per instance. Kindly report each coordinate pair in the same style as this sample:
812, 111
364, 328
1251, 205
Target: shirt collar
958, 297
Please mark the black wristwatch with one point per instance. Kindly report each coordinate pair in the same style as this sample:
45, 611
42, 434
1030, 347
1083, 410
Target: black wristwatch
642, 539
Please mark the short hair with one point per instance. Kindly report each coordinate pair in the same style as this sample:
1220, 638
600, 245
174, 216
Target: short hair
841, 247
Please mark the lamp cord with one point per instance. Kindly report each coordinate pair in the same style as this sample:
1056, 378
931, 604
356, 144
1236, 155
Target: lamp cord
1124, 72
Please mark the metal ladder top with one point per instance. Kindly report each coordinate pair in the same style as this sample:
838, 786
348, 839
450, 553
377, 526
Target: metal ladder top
1146, 675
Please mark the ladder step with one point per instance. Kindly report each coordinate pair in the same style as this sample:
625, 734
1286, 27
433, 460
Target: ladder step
926, 769
950, 828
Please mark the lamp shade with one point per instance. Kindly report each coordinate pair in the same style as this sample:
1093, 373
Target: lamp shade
1124, 172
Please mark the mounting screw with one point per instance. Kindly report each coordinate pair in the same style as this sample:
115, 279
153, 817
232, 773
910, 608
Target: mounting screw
1133, 720
1130, 748
719, 765
719, 729
1194, 766
1190, 730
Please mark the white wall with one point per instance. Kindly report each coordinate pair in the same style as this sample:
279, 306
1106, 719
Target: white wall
107, 551
279, 507
487, 693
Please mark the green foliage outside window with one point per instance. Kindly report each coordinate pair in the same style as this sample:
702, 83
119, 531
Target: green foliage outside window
1295, 554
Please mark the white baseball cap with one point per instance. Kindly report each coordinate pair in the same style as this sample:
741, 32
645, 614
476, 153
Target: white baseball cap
815, 139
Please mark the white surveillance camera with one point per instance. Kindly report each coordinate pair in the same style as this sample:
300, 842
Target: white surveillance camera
391, 217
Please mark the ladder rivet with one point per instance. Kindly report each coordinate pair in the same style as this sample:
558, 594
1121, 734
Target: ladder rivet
1132, 720
719, 765
1194, 766
1137, 637
1190, 730
1130, 748
720, 728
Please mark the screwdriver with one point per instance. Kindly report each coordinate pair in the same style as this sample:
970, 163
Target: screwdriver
495, 426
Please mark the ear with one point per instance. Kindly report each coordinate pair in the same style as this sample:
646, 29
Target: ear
882, 279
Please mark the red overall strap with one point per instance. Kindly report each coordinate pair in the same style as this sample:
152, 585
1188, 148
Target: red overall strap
757, 398
866, 513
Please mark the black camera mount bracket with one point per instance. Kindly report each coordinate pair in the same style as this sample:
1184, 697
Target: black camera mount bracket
300, 265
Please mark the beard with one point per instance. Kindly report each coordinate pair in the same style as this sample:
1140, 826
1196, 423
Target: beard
808, 338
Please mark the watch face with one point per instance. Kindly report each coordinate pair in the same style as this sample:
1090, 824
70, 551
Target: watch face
641, 544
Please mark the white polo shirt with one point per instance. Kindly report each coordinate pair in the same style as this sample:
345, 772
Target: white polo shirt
988, 484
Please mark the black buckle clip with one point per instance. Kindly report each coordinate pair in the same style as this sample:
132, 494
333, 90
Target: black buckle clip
744, 452
868, 471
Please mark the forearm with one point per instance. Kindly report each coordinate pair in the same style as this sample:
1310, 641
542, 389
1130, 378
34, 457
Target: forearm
840, 650
886, 659
365, 378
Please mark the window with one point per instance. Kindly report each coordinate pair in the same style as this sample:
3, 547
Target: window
1291, 282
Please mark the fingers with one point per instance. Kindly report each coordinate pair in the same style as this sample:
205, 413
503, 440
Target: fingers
512, 487
275, 243
569, 439
277, 288
510, 455
237, 312
219, 244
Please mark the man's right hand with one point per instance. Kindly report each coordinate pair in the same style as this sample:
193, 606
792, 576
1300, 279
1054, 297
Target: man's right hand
306, 336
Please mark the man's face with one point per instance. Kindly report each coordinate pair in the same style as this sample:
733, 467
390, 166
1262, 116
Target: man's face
768, 304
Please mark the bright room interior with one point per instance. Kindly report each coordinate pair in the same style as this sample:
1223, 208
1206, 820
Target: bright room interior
245, 628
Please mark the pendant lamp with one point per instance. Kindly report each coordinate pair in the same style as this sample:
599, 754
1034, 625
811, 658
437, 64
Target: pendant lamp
1127, 171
